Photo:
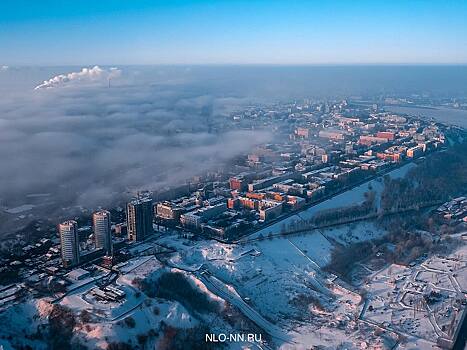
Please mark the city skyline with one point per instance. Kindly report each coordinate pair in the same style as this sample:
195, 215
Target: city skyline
259, 32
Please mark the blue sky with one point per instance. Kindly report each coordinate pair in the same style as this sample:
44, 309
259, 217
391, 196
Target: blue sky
86, 32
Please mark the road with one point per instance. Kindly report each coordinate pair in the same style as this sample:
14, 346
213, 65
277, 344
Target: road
229, 294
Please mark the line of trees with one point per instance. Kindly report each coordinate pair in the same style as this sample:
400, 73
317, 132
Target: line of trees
335, 215
439, 177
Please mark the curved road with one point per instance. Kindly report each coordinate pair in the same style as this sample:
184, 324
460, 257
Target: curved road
219, 288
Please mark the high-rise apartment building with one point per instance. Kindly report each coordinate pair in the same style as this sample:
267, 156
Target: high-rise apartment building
69, 242
139, 219
102, 233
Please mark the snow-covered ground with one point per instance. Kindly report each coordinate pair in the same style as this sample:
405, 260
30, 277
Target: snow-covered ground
107, 318
282, 278
398, 299
22, 319
279, 284
353, 196
99, 334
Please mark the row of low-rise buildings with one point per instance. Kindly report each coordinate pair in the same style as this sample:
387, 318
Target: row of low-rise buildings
319, 157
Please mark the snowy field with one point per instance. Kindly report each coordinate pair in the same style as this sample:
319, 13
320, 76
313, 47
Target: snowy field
351, 197
283, 279
420, 301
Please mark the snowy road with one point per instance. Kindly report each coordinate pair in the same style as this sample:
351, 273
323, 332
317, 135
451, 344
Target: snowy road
229, 294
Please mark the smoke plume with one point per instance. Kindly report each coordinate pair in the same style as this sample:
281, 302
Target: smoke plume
86, 75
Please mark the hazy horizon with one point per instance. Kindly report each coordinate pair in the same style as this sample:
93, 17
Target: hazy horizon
76, 131
356, 79
224, 32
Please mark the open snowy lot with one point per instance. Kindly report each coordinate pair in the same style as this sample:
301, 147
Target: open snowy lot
282, 278
422, 302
